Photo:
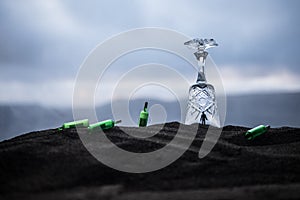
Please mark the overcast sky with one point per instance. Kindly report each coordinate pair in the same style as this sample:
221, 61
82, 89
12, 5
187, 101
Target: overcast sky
43, 43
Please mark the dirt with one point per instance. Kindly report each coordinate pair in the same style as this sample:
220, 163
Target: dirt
52, 164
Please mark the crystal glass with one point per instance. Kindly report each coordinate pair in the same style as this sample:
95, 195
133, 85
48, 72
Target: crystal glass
202, 106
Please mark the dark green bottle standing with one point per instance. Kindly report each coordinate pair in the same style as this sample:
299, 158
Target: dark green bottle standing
257, 131
144, 116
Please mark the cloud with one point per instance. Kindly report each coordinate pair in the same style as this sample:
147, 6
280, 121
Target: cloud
45, 42
240, 82
60, 92
56, 93
49, 18
260, 32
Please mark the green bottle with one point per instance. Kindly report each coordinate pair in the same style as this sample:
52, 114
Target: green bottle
257, 131
79, 123
144, 116
104, 125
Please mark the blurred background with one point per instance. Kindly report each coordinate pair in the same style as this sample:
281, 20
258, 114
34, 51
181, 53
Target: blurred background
43, 44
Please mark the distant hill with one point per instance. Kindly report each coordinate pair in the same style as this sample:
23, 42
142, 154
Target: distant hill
246, 110
274, 109
18, 119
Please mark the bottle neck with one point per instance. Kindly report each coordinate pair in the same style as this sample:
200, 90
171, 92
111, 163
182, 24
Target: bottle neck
201, 57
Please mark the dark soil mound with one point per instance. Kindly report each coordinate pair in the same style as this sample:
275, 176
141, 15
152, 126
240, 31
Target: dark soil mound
54, 164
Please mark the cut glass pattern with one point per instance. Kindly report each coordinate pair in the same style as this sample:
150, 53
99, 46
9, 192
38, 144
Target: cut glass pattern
202, 97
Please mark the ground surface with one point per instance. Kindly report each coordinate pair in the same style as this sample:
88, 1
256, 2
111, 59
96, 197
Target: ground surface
55, 165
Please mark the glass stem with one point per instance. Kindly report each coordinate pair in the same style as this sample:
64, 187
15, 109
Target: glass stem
201, 57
